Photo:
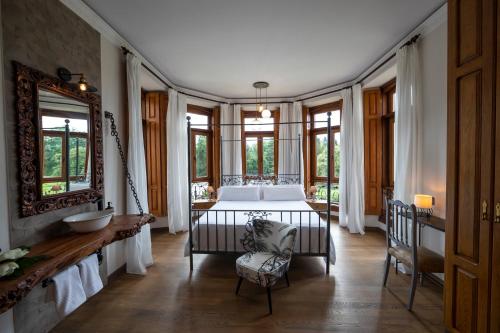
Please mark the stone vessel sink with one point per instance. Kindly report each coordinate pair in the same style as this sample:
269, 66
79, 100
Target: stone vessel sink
90, 221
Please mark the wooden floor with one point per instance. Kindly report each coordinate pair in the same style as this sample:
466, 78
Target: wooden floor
351, 299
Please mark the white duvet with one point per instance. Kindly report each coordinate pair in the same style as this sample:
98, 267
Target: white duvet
221, 231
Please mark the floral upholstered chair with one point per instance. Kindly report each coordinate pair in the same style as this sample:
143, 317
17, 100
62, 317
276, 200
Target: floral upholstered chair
270, 246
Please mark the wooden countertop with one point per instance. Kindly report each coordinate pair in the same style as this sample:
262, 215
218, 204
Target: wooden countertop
64, 251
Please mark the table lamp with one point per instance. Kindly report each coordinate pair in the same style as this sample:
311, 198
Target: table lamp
211, 192
424, 204
312, 191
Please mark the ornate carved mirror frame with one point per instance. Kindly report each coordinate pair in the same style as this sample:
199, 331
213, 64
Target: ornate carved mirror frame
28, 82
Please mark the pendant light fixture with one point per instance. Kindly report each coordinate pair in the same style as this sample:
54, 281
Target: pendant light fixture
260, 105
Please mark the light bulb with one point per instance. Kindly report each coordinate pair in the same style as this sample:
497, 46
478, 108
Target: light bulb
261, 108
82, 83
266, 113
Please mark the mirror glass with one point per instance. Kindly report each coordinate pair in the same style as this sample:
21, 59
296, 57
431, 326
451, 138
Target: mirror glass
65, 151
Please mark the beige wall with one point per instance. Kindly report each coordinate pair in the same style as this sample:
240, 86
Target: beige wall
114, 99
433, 54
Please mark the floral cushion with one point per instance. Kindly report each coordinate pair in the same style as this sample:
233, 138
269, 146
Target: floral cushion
270, 245
262, 268
270, 236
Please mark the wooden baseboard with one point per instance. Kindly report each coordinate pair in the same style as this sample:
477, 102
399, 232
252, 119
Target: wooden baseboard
374, 229
121, 270
434, 279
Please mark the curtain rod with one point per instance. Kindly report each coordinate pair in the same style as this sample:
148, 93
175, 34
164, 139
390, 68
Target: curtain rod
408, 43
411, 41
126, 51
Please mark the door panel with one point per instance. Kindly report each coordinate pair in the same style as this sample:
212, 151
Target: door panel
469, 164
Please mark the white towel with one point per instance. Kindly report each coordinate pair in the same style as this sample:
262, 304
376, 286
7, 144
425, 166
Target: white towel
89, 273
69, 294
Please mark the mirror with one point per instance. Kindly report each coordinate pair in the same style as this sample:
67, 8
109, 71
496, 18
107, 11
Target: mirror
60, 143
64, 136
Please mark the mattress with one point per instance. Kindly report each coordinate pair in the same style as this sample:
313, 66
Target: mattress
221, 228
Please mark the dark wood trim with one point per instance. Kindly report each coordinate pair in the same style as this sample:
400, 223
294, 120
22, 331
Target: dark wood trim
28, 81
260, 135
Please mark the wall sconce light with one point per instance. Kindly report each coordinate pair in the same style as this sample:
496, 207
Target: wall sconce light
65, 75
424, 204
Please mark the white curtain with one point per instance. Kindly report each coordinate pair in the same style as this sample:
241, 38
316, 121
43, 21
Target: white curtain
177, 163
356, 188
138, 248
351, 182
407, 132
290, 160
231, 150
345, 162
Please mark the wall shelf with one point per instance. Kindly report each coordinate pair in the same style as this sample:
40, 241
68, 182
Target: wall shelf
67, 250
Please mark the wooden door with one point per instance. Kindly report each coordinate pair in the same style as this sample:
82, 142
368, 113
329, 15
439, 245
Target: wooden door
495, 258
155, 133
372, 106
469, 164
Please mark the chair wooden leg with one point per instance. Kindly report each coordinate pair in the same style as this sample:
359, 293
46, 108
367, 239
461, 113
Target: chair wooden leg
414, 278
397, 262
239, 285
387, 267
269, 301
287, 281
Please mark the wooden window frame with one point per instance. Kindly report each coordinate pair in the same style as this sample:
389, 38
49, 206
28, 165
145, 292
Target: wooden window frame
388, 119
260, 135
313, 132
195, 109
54, 133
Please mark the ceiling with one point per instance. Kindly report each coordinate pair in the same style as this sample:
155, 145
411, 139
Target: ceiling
222, 46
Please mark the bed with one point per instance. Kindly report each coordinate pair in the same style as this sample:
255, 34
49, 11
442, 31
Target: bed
220, 229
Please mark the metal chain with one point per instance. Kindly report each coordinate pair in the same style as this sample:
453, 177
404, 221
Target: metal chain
114, 133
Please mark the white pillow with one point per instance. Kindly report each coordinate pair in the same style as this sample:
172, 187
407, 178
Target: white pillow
239, 193
283, 193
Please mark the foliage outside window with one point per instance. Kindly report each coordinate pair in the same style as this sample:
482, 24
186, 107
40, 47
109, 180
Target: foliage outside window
319, 148
201, 150
54, 153
259, 150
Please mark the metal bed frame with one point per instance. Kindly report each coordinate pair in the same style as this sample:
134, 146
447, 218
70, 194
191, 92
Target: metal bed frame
230, 225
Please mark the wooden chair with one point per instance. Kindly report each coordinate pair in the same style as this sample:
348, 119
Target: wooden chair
270, 246
403, 244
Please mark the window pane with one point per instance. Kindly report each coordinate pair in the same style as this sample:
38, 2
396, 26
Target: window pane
336, 153
259, 125
201, 156
321, 192
77, 156
268, 156
53, 188
52, 156
321, 155
252, 156
198, 120
394, 101
58, 124
320, 119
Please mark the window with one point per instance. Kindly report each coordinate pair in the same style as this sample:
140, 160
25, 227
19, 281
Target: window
54, 152
388, 121
319, 148
201, 144
259, 150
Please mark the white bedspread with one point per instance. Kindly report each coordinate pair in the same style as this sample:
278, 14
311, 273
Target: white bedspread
222, 231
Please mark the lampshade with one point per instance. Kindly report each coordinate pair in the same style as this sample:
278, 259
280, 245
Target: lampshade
423, 201
210, 189
266, 113
313, 189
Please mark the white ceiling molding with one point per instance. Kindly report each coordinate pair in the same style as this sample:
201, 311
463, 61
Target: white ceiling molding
429, 24
91, 17
95, 21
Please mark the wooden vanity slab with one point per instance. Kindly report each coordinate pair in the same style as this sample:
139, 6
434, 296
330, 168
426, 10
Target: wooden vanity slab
67, 250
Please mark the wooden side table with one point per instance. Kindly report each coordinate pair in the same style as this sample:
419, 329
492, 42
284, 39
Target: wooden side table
204, 203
